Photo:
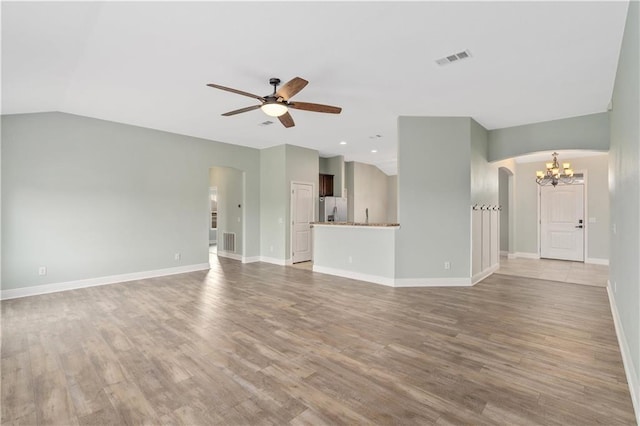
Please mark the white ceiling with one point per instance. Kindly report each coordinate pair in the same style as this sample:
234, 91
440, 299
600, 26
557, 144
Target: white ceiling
148, 64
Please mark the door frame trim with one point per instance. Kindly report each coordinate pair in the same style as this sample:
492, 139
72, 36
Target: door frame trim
313, 217
585, 241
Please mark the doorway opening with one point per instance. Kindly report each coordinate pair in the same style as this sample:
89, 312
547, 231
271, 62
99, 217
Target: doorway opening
226, 213
507, 222
213, 230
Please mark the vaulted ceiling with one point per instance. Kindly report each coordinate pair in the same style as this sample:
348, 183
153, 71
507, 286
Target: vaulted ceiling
148, 63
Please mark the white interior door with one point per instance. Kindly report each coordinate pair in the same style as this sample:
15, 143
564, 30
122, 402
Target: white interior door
302, 215
562, 222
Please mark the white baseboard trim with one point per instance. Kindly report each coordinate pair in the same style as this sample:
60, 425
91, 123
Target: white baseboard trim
504, 253
511, 256
251, 259
273, 260
632, 378
93, 282
395, 282
213, 242
597, 261
229, 255
525, 255
433, 282
376, 279
484, 274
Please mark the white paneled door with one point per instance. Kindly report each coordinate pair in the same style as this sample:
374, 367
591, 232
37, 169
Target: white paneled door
302, 215
562, 222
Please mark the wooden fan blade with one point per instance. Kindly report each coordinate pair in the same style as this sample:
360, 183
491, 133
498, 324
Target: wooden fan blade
291, 87
306, 106
287, 120
239, 92
241, 110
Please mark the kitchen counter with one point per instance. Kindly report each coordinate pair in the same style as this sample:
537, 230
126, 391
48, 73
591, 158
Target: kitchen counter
378, 225
362, 251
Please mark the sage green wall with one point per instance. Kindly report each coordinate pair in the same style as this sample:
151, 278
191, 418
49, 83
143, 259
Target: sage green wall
302, 165
597, 206
273, 203
89, 198
334, 166
624, 187
230, 194
484, 175
503, 200
589, 132
392, 199
434, 211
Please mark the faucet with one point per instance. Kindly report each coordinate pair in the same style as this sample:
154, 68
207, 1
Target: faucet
366, 213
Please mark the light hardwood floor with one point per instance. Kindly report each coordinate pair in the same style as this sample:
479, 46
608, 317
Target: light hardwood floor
264, 344
556, 270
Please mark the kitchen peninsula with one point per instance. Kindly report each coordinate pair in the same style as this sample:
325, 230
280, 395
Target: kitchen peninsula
358, 250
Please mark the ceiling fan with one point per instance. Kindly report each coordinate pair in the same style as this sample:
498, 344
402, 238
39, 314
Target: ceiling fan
277, 104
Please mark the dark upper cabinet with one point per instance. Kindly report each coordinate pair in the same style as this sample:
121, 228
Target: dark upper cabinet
326, 185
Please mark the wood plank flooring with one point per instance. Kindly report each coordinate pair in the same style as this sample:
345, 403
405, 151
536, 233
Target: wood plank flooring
556, 270
261, 344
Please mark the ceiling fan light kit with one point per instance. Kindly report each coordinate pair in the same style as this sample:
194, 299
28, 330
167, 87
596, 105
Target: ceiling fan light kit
274, 109
277, 104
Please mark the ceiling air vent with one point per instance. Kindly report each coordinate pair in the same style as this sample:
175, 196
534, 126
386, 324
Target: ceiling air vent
465, 54
266, 123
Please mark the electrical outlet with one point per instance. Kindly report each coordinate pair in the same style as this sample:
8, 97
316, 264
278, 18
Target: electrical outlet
177, 256
271, 249
42, 270
447, 265
238, 219
350, 259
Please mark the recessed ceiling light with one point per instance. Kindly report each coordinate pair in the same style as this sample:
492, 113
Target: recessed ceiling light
374, 150
343, 143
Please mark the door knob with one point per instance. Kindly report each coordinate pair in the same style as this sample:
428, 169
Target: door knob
579, 226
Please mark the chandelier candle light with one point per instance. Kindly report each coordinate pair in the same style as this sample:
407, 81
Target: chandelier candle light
554, 173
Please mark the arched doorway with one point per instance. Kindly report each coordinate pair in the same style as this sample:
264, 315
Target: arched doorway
506, 201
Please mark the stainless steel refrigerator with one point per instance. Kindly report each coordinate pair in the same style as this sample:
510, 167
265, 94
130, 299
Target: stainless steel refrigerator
333, 209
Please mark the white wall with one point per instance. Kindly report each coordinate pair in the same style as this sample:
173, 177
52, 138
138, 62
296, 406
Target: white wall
597, 205
90, 198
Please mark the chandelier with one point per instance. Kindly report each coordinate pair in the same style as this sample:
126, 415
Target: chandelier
555, 173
